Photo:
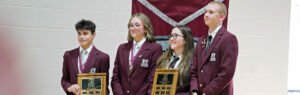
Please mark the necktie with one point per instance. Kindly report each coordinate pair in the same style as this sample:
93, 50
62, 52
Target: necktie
208, 42
136, 48
172, 65
83, 56
133, 53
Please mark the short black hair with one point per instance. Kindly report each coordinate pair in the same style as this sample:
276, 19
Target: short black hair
85, 24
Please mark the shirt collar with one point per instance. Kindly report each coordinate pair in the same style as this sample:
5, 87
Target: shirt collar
139, 43
213, 34
88, 49
180, 56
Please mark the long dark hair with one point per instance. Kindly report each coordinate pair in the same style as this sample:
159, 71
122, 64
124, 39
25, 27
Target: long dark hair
187, 57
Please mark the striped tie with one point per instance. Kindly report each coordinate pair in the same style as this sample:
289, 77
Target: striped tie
172, 65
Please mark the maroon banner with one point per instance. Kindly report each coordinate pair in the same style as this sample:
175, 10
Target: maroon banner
164, 14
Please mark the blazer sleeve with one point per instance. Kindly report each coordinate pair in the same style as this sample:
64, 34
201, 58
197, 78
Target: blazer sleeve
105, 68
229, 51
115, 81
157, 52
194, 70
65, 80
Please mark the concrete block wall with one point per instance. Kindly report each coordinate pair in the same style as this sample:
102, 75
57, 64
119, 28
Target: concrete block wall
41, 30
262, 28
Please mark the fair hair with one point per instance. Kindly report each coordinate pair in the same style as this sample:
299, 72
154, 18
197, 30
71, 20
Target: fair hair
149, 33
222, 8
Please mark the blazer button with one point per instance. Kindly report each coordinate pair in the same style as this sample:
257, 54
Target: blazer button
128, 79
201, 71
128, 91
200, 85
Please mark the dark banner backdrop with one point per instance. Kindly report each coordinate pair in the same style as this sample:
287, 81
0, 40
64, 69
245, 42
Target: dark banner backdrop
164, 14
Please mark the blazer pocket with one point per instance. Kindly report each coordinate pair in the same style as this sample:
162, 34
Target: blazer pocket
144, 68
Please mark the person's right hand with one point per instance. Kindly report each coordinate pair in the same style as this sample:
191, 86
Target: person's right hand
75, 89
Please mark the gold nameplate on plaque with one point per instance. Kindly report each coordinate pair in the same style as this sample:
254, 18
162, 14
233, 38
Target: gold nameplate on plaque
92, 83
165, 82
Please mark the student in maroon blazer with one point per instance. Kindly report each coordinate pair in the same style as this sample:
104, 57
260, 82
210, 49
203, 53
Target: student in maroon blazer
179, 55
136, 60
84, 59
214, 61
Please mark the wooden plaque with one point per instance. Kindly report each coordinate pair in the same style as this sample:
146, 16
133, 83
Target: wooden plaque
92, 83
165, 82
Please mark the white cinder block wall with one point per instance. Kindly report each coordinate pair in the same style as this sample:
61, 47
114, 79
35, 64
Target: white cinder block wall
262, 28
41, 30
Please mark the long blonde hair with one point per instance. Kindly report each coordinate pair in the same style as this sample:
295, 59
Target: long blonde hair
187, 57
149, 33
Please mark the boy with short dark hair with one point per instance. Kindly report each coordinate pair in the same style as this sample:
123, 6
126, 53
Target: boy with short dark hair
84, 59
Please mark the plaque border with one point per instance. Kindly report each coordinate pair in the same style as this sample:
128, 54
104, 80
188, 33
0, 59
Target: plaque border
165, 71
93, 75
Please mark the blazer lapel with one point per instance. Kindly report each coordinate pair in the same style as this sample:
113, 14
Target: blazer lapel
139, 55
212, 46
75, 60
203, 46
91, 60
202, 50
126, 50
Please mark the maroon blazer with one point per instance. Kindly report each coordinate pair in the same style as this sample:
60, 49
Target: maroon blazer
212, 71
141, 78
183, 90
96, 59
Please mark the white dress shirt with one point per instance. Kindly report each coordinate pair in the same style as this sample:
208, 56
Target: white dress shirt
178, 61
214, 33
84, 56
136, 48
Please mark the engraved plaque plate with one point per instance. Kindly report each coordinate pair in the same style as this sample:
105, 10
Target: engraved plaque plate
92, 83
